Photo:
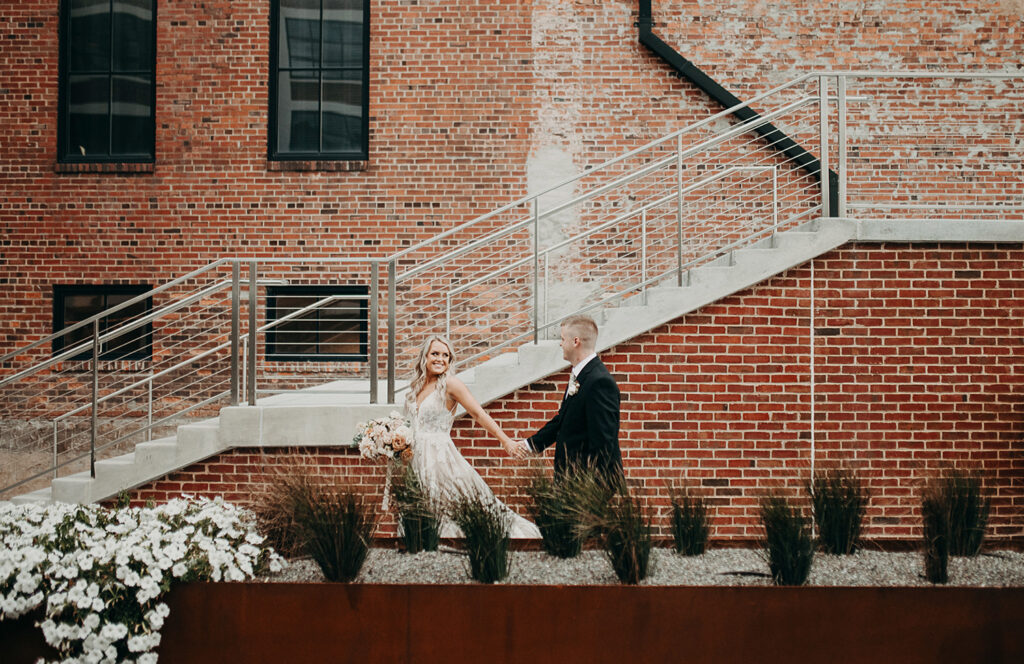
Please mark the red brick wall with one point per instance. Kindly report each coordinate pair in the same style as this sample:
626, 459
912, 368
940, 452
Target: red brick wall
461, 95
449, 117
754, 44
917, 350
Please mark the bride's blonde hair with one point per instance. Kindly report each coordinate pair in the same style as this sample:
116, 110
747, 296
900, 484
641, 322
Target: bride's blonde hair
419, 369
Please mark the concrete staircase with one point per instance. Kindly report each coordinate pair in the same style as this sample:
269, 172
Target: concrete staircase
327, 415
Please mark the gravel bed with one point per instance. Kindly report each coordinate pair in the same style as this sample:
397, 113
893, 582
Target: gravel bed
717, 567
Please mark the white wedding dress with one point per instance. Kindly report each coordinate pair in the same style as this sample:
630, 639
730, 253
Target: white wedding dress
443, 471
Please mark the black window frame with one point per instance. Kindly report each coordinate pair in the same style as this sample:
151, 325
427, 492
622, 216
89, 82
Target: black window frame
145, 332
65, 151
274, 335
273, 153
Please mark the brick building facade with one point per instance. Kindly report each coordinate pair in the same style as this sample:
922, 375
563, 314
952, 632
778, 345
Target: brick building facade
474, 105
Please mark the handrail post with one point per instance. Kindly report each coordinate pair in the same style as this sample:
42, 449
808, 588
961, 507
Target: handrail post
547, 287
392, 299
643, 253
253, 332
245, 365
536, 270
841, 166
679, 210
448, 315
823, 120
775, 203
149, 414
95, 396
235, 295
374, 322
55, 425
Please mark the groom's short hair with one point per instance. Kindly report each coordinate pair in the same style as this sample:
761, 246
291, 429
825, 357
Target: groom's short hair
583, 327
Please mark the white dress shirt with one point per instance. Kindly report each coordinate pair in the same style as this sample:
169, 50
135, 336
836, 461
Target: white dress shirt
576, 371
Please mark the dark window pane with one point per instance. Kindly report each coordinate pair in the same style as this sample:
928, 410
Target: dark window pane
298, 112
132, 111
78, 303
131, 341
299, 42
76, 309
88, 107
340, 327
342, 113
343, 34
334, 329
343, 341
80, 307
133, 35
104, 115
298, 336
89, 46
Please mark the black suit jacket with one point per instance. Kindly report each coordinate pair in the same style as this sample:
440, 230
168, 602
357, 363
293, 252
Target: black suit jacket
586, 429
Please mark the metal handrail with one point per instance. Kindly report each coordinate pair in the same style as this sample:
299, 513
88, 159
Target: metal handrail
610, 223
605, 164
652, 182
85, 455
118, 307
520, 225
114, 332
396, 256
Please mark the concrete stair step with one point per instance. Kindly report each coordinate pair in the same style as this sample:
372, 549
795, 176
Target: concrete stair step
77, 488
38, 496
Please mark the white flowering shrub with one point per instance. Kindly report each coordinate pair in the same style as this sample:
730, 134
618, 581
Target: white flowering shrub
99, 574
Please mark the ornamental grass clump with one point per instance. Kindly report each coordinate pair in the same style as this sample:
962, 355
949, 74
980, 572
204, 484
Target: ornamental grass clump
337, 526
485, 527
839, 501
969, 506
691, 525
788, 544
417, 513
280, 506
935, 523
555, 509
954, 515
99, 574
626, 531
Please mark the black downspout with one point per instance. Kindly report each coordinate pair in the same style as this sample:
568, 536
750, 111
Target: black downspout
775, 137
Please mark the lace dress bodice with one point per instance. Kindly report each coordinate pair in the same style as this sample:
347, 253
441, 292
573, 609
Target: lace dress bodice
431, 416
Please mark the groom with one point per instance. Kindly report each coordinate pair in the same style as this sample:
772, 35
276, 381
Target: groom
585, 431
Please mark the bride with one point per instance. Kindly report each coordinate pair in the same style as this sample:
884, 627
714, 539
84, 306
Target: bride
430, 406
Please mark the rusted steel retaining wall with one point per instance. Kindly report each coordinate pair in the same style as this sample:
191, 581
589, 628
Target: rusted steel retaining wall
286, 623
279, 623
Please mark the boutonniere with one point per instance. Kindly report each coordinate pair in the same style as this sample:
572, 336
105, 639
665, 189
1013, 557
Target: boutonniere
574, 387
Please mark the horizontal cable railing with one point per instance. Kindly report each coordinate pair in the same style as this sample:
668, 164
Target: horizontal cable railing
903, 146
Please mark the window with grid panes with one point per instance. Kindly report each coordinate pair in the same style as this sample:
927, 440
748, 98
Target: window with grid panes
76, 303
107, 83
317, 323
319, 73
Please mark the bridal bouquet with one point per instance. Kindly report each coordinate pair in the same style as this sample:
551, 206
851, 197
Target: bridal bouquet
388, 437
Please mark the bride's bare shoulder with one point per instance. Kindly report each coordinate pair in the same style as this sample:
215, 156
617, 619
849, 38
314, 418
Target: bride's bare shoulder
455, 383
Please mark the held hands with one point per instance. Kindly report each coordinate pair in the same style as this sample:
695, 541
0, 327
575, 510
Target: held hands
518, 449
